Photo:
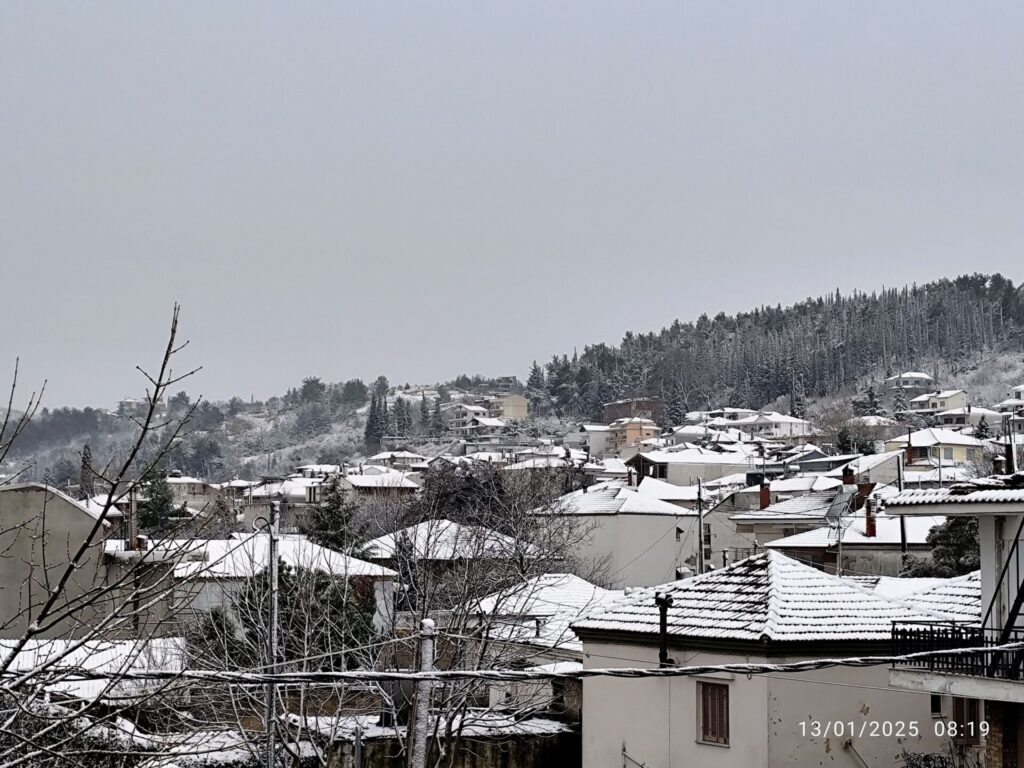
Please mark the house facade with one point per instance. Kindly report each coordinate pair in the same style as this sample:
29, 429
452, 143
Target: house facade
766, 609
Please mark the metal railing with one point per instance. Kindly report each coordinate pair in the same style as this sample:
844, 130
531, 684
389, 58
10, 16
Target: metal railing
922, 637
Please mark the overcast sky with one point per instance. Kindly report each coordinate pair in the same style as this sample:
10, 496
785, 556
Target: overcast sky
420, 190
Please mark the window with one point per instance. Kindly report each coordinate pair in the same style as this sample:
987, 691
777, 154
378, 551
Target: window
968, 720
936, 705
713, 707
947, 454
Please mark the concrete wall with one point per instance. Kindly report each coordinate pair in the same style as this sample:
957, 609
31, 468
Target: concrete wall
39, 532
639, 550
657, 720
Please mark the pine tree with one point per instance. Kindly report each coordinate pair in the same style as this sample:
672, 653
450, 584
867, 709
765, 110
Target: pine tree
374, 427
334, 522
158, 508
424, 425
798, 398
900, 402
983, 431
437, 426
403, 417
87, 475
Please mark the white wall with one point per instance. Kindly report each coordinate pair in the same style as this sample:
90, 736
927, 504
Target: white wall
639, 550
657, 719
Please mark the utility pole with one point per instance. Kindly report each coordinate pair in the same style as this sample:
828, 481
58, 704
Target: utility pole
421, 722
903, 520
700, 526
270, 714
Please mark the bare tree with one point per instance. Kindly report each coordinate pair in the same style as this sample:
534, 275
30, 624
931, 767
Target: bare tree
90, 601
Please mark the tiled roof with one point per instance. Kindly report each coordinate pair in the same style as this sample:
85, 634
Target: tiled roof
611, 498
767, 596
958, 598
1000, 489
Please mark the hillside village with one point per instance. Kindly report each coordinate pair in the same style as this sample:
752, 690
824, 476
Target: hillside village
646, 539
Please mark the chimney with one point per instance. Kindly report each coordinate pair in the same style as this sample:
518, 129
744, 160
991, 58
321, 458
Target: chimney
848, 478
910, 446
766, 495
869, 518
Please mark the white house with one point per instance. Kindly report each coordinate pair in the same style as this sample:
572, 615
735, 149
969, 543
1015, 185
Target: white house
766, 609
639, 540
211, 573
591, 438
910, 380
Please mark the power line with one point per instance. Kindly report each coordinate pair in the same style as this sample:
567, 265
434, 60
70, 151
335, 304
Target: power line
500, 675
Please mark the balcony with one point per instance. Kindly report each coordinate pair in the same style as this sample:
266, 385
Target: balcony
987, 674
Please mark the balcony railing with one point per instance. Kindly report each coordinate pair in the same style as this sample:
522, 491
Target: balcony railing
921, 637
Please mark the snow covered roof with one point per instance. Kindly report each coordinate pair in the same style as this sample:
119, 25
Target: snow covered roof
866, 463
925, 438
887, 532
543, 462
659, 489
443, 540
693, 456
958, 598
816, 505
805, 483
737, 479
765, 597
611, 498
486, 421
98, 657
969, 409
90, 508
245, 555
292, 488
1000, 489
381, 480
909, 375
554, 599
397, 455
179, 479
625, 421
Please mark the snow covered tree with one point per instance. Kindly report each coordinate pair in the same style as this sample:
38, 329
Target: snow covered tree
380, 387
312, 390
335, 521
798, 398
403, 417
424, 422
376, 424
900, 402
437, 425
955, 551
87, 475
983, 431
156, 511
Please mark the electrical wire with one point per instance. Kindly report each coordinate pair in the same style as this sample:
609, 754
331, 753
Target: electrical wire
498, 675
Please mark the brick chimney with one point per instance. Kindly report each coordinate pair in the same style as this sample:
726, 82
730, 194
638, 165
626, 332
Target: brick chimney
910, 446
766, 495
869, 518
